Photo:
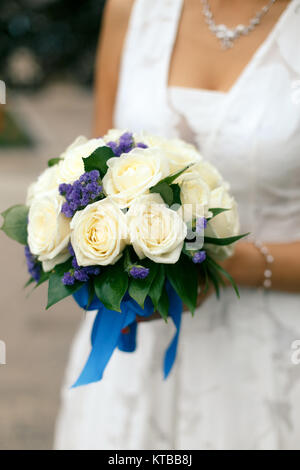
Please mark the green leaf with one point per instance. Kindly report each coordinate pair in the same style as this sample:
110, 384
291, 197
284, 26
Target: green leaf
15, 223
43, 278
216, 211
30, 281
168, 191
176, 193
127, 259
139, 288
217, 274
206, 278
111, 286
157, 285
169, 179
98, 160
91, 290
214, 279
53, 161
56, 289
163, 305
184, 278
212, 262
165, 191
224, 241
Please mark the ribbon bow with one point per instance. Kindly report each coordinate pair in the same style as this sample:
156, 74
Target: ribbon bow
107, 331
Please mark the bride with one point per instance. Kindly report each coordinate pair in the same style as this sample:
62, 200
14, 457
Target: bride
164, 67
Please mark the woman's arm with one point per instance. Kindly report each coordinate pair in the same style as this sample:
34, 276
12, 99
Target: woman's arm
247, 265
113, 31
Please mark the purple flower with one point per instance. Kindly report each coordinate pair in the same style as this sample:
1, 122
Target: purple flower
68, 279
201, 224
141, 145
66, 210
139, 272
199, 257
92, 270
71, 250
74, 263
94, 175
81, 193
33, 266
81, 275
64, 188
125, 144
78, 273
113, 146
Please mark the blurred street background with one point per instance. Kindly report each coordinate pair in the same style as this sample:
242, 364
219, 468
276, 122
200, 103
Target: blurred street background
47, 50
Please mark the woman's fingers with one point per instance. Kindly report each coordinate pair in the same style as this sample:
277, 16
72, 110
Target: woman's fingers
155, 316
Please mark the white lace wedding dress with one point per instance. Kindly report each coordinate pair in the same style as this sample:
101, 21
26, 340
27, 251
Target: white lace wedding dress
234, 385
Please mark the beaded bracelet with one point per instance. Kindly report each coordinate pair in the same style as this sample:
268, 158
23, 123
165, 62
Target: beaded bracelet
267, 282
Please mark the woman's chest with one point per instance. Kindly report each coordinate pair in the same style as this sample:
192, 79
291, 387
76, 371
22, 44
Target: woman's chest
198, 59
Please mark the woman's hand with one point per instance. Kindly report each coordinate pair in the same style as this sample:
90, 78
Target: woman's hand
247, 266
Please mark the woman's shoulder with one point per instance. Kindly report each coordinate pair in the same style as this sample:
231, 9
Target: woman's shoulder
118, 11
114, 26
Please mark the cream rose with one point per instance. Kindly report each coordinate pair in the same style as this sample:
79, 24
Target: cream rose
47, 181
50, 178
204, 170
80, 140
99, 234
72, 166
155, 231
195, 198
223, 225
178, 152
132, 174
48, 230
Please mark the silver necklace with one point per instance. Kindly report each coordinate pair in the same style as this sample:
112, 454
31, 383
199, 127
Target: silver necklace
226, 35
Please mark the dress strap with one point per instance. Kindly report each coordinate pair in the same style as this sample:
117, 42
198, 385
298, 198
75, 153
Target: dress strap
146, 56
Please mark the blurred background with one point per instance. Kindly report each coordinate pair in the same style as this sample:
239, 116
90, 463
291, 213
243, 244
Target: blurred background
47, 53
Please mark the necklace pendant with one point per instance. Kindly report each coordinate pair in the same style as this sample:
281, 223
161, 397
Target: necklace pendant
227, 36
226, 44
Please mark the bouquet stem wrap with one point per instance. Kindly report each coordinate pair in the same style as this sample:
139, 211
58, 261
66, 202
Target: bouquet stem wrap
107, 332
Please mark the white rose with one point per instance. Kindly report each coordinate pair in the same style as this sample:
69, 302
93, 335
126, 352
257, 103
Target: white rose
72, 166
48, 230
133, 173
155, 231
195, 198
99, 234
223, 225
178, 152
204, 170
47, 181
50, 178
80, 140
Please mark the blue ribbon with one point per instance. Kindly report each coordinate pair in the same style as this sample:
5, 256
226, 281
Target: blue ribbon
107, 331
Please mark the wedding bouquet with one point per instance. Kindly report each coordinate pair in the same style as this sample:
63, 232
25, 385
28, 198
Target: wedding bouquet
127, 224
